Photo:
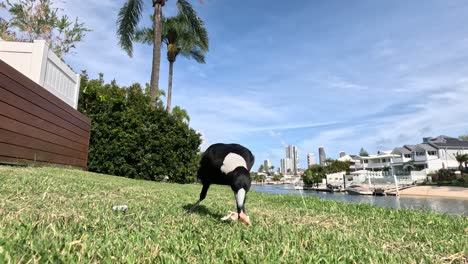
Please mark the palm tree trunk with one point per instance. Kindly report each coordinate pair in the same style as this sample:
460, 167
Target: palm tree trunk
169, 88
156, 54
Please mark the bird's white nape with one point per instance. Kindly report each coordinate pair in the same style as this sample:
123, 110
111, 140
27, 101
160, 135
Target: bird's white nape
233, 161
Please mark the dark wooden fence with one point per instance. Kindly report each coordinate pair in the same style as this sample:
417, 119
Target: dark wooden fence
36, 126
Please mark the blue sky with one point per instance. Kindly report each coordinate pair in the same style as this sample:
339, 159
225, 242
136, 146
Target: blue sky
338, 74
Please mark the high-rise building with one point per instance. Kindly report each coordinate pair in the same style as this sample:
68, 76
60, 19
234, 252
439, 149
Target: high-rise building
322, 156
267, 165
291, 153
286, 166
310, 159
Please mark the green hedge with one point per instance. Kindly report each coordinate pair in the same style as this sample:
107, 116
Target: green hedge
131, 139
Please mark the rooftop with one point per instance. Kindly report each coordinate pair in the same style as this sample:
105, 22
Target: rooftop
446, 142
401, 150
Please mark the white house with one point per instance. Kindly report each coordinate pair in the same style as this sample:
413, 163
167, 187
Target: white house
379, 162
354, 160
431, 155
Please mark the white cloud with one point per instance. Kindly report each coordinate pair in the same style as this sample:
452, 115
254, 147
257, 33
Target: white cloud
383, 92
441, 113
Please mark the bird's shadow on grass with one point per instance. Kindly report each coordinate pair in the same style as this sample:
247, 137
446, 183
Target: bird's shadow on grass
202, 210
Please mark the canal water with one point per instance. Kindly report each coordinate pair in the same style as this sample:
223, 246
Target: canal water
436, 204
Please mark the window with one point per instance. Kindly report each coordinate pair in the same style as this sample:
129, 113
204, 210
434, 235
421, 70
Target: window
384, 160
420, 153
366, 161
432, 153
408, 156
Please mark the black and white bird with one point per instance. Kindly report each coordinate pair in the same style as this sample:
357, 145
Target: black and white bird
226, 164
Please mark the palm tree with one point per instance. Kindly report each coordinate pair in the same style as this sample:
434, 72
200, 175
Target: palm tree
128, 19
181, 114
461, 158
180, 39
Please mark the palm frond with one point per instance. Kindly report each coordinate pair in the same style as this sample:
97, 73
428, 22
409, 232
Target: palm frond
127, 20
197, 25
196, 54
181, 114
177, 32
144, 35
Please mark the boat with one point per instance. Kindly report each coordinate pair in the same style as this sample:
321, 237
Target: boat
333, 188
298, 186
378, 192
358, 190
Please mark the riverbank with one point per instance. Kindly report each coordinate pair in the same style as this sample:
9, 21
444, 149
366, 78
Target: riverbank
58, 215
436, 191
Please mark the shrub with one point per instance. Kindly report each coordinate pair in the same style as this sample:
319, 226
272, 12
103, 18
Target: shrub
277, 177
446, 175
434, 177
132, 139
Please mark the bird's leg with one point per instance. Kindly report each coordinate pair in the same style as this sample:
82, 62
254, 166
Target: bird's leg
202, 197
193, 207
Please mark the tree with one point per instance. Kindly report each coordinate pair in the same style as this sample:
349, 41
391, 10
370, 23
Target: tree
131, 138
277, 177
261, 168
181, 114
335, 166
5, 32
462, 159
180, 39
128, 18
314, 174
161, 94
39, 19
463, 137
363, 153
257, 177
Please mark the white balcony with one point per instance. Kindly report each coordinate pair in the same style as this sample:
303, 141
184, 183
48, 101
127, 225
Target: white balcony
420, 158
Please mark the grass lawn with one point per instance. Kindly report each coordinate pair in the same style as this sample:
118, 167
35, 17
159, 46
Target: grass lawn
59, 215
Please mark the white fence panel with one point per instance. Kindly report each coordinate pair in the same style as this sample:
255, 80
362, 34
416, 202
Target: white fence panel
41, 65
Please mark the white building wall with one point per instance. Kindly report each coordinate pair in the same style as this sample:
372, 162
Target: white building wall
434, 165
286, 164
336, 178
447, 157
310, 159
41, 65
401, 159
267, 165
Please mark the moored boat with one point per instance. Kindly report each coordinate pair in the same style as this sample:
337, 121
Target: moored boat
358, 190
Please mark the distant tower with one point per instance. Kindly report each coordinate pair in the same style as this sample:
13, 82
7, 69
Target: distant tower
322, 156
310, 159
267, 165
342, 154
286, 165
291, 153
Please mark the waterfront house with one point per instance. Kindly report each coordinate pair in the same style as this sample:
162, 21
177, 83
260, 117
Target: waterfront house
354, 161
431, 155
379, 162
